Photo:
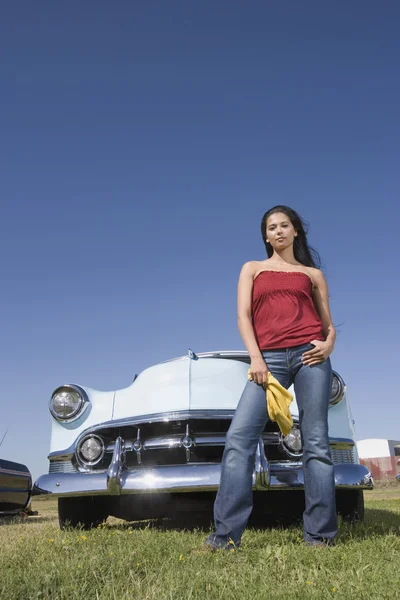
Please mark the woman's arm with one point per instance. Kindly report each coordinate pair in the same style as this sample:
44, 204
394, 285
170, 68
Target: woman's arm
258, 368
321, 300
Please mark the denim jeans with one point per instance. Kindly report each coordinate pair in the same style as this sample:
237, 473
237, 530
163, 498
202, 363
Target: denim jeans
234, 501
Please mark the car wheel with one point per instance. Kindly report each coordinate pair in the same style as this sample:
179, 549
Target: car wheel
350, 505
85, 512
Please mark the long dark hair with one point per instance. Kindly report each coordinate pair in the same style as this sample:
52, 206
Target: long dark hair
302, 251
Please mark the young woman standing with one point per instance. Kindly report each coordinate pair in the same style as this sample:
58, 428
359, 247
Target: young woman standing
285, 322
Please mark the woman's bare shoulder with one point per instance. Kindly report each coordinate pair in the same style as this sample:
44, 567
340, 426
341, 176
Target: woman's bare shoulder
314, 274
252, 267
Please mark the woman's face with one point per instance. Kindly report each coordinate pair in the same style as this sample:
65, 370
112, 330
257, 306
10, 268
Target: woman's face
280, 232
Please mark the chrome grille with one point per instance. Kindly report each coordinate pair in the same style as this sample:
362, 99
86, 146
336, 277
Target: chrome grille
157, 445
342, 456
174, 441
61, 466
181, 438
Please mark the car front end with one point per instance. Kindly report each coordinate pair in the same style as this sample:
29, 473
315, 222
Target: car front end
165, 435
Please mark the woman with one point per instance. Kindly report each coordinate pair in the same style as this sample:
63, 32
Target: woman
285, 322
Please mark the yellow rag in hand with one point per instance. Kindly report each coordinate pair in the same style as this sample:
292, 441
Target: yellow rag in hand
278, 403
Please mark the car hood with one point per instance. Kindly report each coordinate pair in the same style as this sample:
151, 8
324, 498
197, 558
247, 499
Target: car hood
185, 384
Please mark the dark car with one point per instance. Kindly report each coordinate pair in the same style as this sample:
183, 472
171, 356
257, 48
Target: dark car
15, 487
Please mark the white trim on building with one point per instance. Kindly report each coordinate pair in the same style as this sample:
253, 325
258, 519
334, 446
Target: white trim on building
377, 448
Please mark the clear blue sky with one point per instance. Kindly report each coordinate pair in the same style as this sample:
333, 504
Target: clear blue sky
141, 143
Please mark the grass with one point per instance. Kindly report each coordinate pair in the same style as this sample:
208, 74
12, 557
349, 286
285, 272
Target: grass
122, 560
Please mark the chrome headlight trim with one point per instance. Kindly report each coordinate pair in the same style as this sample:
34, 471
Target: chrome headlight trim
83, 402
78, 454
338, 394
287, 448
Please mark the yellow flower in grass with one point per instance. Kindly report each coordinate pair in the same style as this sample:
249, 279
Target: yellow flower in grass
334, 589
181, 557
84, 538
309, 582
52, 540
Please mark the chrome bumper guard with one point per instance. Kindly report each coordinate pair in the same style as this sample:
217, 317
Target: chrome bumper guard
194, 477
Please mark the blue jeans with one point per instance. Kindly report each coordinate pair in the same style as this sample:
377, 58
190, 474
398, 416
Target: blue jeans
234, 501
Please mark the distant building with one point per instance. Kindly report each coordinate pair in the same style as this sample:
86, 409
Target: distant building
378, 448
382, 457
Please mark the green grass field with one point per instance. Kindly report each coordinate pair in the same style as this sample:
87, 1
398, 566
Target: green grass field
122, 560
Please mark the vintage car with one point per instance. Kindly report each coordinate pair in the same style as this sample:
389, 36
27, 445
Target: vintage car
135, 453
15, 487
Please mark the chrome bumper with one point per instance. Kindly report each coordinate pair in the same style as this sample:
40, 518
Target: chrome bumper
188, 478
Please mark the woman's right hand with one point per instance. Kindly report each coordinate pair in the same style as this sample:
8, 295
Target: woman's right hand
259, 370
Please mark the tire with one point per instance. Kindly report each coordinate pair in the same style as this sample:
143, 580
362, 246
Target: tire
85, 512
350, 505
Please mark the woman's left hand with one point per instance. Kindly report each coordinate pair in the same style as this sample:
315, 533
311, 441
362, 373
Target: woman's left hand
317, 355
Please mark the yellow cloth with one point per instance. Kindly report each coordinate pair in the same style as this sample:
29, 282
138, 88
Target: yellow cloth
278, 403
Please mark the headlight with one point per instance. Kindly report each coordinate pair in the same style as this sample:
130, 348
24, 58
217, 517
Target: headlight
293, 443
67, 402
337, 390
90, 450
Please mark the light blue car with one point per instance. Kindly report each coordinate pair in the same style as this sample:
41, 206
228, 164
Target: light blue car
137, 452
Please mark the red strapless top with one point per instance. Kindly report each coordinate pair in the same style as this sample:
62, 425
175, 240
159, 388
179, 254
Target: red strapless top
283, 311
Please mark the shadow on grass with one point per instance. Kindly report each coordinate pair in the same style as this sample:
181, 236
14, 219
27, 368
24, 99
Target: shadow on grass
18, 520
195, 511
377, 522
201, 523
192, 514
